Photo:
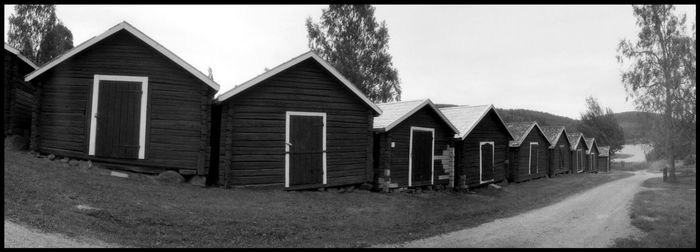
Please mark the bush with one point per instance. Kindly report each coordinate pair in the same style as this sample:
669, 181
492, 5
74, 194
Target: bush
689, 159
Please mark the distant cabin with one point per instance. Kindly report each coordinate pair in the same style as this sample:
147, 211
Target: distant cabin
593, 152
528, 152
604, 158
18, 94
559, 150
299, 125
122, 99
578, 152
481, 146
413, 145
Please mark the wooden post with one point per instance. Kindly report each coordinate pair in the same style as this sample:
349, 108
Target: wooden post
369, 172
205, 105
227, 130
36, 109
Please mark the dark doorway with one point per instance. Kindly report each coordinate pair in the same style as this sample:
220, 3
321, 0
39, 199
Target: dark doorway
305, 150
421, 157
118, 118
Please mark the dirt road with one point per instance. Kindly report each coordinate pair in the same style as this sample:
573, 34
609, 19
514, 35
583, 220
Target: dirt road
18, 236
593, 218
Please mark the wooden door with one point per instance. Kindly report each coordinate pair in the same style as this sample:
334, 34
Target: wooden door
118, 118
305, 150
421, 157
487, 167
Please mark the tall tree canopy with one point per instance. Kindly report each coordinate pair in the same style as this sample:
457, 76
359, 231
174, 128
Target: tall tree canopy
602, 125
660, 77
38, 33
350, 39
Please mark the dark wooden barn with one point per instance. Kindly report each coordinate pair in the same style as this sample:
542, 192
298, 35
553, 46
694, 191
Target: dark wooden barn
18, 94
592, 155
299, 125
481, 146
122, 99
604, 158
578, 152
413, 145
559, 150
528, 152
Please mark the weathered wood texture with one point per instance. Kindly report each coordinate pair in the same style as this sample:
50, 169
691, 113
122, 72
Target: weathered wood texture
578, 158
522, 158
593, 160
177, 127
252, 148
604, 164
396, 159
488, 129
560, 157
18, 95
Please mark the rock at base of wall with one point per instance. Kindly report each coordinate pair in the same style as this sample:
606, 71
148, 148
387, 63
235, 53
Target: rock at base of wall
366, 186
16, 142
73, 162
170, 177
51, 157
200, 181
65, 160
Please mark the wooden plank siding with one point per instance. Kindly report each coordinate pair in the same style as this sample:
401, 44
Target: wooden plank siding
560, 157
396, 159
520, 158
574, 159
603, 164
467, 151
178, 105
252, 146
18, 95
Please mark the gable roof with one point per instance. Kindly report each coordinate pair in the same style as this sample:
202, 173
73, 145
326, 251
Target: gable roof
394, 113
520, 130
553, 133
126, 27
590, 142
20, 56
465, 118
575, 138
604, 151
284, 66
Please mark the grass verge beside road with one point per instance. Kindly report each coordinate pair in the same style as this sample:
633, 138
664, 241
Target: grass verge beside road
137, 212
666, 214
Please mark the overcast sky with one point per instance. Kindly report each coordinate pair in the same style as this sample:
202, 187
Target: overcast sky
546, 58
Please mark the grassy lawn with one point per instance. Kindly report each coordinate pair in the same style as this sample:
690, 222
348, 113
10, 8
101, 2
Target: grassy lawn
665, 214
139, 212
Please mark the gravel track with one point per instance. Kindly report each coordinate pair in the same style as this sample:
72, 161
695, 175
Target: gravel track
594, 218
18, 236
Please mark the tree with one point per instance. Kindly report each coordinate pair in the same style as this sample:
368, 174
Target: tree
601, 125
36, 31
661, 78
211, 73
350, 39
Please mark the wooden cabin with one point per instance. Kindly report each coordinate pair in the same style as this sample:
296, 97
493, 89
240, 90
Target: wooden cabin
559, 150
123, 99
299, 125
578, 152
528, 152
412, 145
18, 94
481, 146
604, 158
592, 155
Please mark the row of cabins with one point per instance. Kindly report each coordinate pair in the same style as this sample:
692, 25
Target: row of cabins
125, 101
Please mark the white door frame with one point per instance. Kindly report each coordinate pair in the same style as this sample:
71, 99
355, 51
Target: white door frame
144, 105
410, 155
493, 159
529, 163
286, 143
579, 161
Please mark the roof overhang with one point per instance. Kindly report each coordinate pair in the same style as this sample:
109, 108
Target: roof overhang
527, 132
127, 27
426, 102
20, 56
284, 66
486, 111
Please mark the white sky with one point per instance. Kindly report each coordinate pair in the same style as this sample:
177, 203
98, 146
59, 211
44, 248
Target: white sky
546, 58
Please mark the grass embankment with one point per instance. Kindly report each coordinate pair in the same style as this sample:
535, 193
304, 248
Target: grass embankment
137, 212
666, 213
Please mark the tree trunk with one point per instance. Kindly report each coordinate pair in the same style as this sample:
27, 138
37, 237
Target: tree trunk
669, 137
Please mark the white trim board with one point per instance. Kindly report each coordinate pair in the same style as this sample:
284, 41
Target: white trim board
95, 103
493, 159
286, 143
410, 155
284, 66
124, 26
16, 52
